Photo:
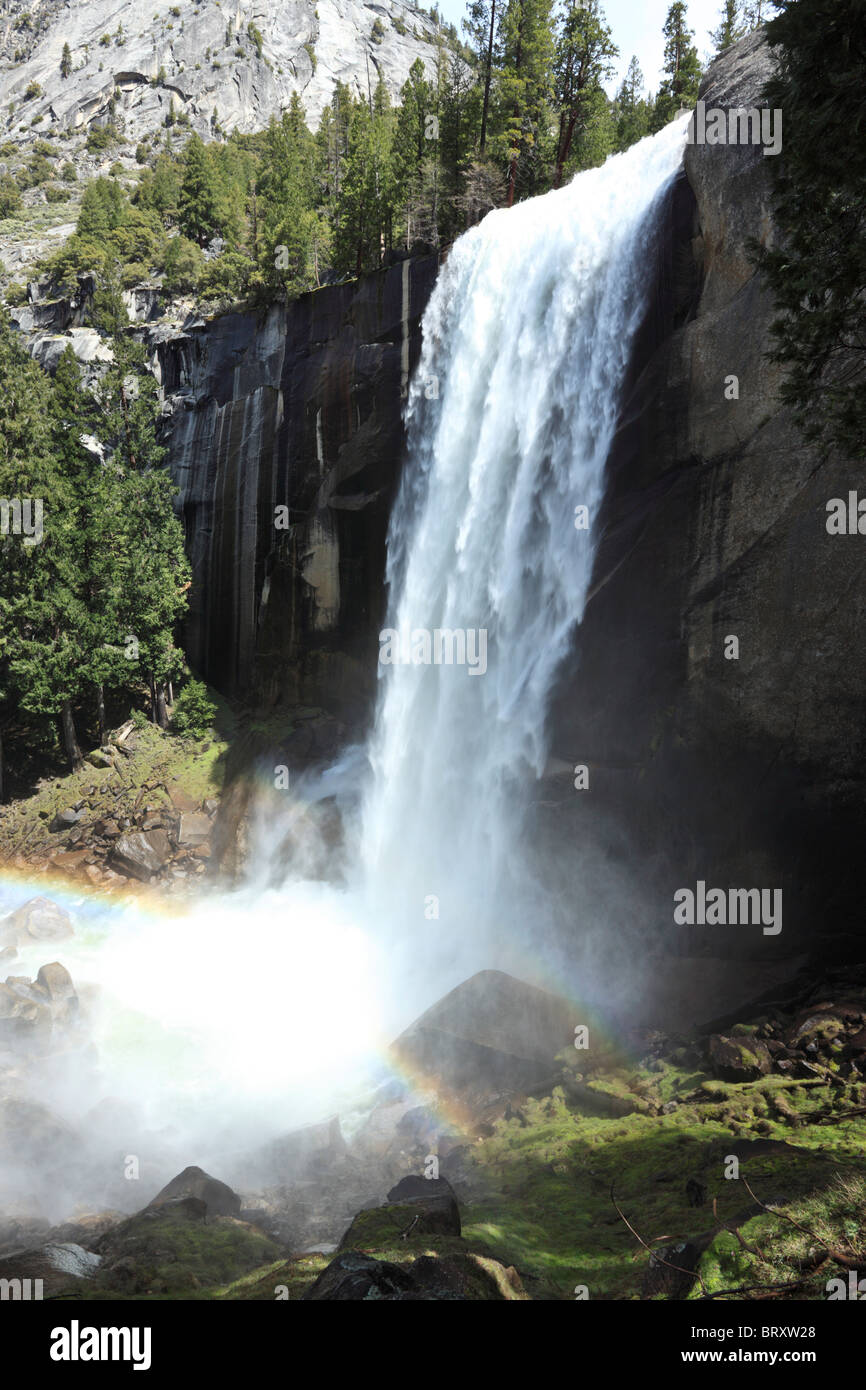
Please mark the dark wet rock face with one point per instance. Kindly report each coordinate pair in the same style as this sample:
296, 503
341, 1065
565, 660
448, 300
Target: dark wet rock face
296, 408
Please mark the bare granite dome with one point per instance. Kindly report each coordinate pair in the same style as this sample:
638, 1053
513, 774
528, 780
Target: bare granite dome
242, 59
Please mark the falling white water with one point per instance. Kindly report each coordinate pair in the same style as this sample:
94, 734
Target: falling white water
512, 410
253, 1012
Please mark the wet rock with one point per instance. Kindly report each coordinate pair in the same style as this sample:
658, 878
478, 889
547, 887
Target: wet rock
218, 1197
141, 854
491, 1033
39, 920
739, 1058
57, 1267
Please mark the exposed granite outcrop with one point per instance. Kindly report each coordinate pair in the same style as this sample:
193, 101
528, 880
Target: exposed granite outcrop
743, 772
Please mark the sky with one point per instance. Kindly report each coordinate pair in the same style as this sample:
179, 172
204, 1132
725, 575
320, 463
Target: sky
637, 28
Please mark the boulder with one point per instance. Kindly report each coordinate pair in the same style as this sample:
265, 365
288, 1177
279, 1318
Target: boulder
65, 819
39, 919
194, 829
739, 1058
141, 854
493, 1033
218, 1197
356, 1277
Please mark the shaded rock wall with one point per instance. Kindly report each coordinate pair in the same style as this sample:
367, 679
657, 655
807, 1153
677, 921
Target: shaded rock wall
298, 407
742, 772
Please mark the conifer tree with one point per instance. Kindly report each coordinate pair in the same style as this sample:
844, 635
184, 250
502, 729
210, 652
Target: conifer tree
682, 67
584, 60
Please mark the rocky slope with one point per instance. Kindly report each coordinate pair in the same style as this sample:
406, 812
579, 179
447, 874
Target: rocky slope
242, 60
668, 1166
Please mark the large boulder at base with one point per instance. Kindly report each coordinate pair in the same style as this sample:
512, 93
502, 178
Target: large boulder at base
217, 1196
39, 919
46, 1271
739, 1058
141, 854
355, 1277
491, 1033
416, 1207
178, 1248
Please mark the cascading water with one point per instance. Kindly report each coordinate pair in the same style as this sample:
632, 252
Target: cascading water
249, 1014
511, 415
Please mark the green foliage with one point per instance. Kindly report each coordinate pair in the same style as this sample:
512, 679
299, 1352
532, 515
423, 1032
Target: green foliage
102, 137
194, 711
183, 265
818, 270
632, 110
682, 68
16, 293
731, 27
10, 196
32, 91
66, 61
256, 36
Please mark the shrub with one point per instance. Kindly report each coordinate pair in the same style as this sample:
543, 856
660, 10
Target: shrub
69, 173
183, 265
10, 196
16, 293
102, 137
194, 711
55, 194
33, 90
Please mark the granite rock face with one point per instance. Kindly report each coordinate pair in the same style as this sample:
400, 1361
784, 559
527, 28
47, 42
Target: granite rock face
243, 60
285, 437
741, 772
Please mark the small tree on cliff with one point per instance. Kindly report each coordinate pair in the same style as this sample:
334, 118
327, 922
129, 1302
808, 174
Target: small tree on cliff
682, 68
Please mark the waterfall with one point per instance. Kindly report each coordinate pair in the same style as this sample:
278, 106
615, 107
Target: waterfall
512, 410
261, 1009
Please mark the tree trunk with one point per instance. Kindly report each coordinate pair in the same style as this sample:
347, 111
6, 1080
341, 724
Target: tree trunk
70, 739
100, 713
563, 149
512, 175
487, 76
161, 711
152, 683
1, 765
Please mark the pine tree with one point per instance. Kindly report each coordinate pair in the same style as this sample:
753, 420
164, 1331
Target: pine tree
480, 27
682, 68
633, 113
526, 86
65, 61
204, 207
731, 28
584, 54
